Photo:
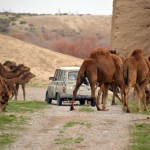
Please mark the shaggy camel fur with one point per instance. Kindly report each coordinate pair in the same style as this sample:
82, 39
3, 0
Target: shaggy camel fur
136, 71
22, 82
6, 84
13, 73
100, 68
112, 87
4, 94
11, 65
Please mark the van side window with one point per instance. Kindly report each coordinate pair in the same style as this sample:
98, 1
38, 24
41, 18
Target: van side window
72, 75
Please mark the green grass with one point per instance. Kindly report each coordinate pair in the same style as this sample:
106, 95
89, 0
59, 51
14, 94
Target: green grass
14, 119
6, 139
62, 139
66, 141
72, 123
25, 106
133, 107
85, 109
140, 137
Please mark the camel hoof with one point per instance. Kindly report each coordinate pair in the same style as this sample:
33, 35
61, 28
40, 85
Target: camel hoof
145, 109
72, 108
128, 111
105, 109
139, 110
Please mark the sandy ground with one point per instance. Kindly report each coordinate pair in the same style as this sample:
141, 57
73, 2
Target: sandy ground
109, 129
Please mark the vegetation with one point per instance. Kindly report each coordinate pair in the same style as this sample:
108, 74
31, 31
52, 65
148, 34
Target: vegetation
139, 132
9, 123
62, 139
71, 124
86, 109
140, 137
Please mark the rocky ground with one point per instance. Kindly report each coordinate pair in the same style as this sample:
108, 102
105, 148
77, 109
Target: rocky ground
45, 131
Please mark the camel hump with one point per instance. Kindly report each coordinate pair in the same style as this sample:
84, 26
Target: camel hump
96, 53
137, 53
117, 60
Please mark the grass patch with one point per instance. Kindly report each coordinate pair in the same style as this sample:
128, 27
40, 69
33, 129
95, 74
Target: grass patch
14, 122
140, 137
133, 107
6, 139
85, 109
71, 124
71, 140
25, 106
66, 141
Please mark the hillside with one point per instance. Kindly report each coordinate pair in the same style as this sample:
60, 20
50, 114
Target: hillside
75, 35
42, 62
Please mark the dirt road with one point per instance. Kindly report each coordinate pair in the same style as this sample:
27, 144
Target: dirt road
46, 131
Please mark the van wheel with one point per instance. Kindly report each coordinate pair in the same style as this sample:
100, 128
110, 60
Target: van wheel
59, 100
92, 103
82, 102
47, 99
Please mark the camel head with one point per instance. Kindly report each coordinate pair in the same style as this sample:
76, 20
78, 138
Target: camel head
25, 77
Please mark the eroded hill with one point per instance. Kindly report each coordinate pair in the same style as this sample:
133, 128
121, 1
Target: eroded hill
70, 34
42, 62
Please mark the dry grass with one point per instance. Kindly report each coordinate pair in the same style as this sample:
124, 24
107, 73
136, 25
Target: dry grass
42, 62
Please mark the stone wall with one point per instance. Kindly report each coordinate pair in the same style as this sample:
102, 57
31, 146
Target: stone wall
131, 26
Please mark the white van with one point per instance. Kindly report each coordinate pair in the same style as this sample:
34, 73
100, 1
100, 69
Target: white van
62, 85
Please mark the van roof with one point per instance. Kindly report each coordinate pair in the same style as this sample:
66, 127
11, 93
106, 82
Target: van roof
70, 68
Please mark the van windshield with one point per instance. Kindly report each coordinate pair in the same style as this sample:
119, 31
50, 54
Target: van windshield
72, 75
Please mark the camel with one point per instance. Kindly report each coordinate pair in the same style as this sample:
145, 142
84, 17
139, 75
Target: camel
13, 73
22, 82
101, 67
136, 72
112, 87
4, 95
6, 84
11, 65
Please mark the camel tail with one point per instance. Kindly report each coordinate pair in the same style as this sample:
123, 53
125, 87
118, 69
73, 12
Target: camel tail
126, 74
82, 74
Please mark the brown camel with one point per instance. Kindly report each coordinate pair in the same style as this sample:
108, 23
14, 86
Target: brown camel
22, 82
101, 67
112, 87
6, 84
13, 73
4, 95
11, 65
136, 71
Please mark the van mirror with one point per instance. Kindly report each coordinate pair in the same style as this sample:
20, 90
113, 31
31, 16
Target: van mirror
51, 78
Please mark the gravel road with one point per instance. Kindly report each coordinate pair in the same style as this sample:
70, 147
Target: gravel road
109, 129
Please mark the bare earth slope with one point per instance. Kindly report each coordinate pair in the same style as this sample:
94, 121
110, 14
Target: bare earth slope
42, 62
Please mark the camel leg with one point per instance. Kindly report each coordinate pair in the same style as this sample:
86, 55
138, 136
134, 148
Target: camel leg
118, 97
125, 101
75, 94
24, 92
93, 89
139, 94
99, 95
142, 90
105, 97
17, 89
